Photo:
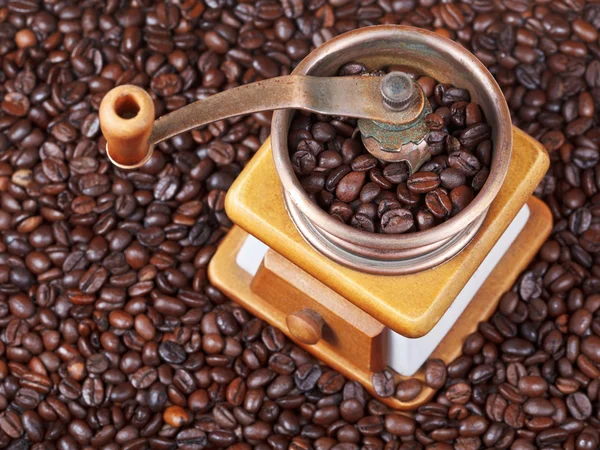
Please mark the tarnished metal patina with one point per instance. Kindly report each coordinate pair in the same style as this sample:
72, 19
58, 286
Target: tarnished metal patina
323, 95
419, 51
391, 110
402, 141
405, 140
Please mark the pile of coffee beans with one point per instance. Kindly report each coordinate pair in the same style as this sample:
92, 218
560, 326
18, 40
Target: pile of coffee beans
112, 337
356, 188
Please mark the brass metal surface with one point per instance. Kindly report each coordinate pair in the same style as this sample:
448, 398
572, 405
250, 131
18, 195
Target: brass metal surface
400, 142
269, 305
356, 96
423, 52
380, 262
399, 91
414, 154
255, 203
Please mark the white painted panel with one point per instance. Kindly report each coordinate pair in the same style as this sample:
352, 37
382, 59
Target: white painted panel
406, 355
251, 255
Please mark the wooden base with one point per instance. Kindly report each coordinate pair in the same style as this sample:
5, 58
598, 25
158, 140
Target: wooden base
352, 342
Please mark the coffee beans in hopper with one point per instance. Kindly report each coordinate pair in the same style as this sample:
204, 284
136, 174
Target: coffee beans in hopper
111, 335
372, 195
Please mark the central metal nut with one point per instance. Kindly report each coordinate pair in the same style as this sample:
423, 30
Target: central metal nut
397, 90
403, 140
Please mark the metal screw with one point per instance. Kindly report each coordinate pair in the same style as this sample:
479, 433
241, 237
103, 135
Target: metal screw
397, 90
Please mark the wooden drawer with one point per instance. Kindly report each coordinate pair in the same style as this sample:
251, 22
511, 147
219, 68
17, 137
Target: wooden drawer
349, 331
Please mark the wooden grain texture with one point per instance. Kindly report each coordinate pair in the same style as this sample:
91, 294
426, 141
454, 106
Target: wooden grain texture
306, 325
226, 275
255, 203
353, 333
126, 117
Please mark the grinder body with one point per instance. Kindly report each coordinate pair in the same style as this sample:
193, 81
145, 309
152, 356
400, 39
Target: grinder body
266, 265
361, 302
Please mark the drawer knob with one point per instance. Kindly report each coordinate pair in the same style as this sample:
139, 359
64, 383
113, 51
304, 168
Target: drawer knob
306, 326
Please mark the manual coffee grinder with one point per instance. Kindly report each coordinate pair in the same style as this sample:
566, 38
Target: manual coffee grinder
359, 301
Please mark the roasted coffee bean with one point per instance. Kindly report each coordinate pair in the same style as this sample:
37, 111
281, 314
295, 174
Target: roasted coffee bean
383, 383
451, 178
399, 425
329, 159
435, 373
307, 375
112, 334
363, 163
533, 386
423, 182
434, 121
460, 198
363, 222
303, 162
474, 134
406, 196
396, 173
191, 439
425, 220
438, 203
465, 162
10, 424
419, 189
409, 389
172, 352
397, 220
369, 192
175, 416
335, 176
349, 187
579, 406
459, 393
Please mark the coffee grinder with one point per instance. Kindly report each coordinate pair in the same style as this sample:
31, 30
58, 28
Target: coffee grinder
360, 302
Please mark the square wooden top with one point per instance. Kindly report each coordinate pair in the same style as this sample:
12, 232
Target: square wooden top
409, 304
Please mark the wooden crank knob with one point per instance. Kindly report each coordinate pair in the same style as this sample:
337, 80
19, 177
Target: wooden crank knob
306, 326
126, 119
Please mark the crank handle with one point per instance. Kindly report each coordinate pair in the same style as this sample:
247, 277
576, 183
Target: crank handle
131, 131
